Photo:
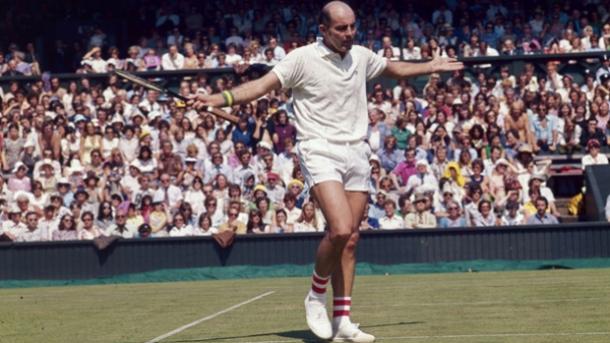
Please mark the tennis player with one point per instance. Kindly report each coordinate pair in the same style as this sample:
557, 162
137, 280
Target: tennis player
328, 81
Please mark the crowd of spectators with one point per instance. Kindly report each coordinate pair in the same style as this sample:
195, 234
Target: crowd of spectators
188, 35
83, 160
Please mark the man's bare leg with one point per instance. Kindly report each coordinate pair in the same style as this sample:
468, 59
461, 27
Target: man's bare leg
343, 275
337, 257
335, 205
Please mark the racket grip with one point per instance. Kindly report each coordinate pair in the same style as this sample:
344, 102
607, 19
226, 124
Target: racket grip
176, 95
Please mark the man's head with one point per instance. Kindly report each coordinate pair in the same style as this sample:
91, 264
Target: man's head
420, 203
173, 50
338, 26
453, 209
32, 221
541, 205
389, 207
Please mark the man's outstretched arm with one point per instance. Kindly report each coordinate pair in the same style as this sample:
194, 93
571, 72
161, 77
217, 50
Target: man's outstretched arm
400, 70
242, 94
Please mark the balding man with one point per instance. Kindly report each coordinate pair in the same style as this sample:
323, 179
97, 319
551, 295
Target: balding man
328, 81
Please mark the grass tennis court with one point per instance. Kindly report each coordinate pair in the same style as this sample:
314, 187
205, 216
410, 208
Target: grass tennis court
525, 307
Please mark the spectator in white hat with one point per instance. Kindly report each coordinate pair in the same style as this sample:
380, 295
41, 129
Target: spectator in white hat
423, 176
422, 218
19, 181
13, 227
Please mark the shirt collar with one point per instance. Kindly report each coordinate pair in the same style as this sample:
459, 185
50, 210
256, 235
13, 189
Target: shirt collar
324, 50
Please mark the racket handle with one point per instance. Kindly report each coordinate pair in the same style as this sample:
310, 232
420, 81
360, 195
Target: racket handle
215, 111
176, 95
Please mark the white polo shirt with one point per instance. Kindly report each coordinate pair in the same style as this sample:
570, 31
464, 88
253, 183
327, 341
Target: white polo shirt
329, 92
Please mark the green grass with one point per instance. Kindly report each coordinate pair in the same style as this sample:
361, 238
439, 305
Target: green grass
470, 307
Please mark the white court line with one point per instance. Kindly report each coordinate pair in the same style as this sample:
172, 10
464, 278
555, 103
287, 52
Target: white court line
201, 320
491, 335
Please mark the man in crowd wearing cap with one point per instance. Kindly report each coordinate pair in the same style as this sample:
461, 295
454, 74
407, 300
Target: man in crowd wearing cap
594, 157
422, 218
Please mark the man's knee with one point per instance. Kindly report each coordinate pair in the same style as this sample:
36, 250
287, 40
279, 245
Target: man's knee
340, 235
352, 241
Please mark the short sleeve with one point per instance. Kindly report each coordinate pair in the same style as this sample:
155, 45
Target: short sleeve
375, 64
290, 69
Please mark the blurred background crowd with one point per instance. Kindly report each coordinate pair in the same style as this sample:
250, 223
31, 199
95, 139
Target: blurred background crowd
83, 159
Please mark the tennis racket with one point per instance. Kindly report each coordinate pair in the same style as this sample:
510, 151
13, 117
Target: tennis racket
152, 86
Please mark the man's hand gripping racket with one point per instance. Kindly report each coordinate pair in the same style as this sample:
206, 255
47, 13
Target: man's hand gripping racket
200, 102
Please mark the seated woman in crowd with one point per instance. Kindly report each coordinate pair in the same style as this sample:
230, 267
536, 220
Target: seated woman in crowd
204, 226
180, 228
281, 222
105, 216
66, 230
88, 229
255, 223
307, 222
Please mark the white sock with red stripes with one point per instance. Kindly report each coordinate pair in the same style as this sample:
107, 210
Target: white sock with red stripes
318, 286
341, 310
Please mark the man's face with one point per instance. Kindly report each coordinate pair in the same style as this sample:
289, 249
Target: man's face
389, 209
32, 222
540, 207
121, 218
410, 157
340, 32
245, 158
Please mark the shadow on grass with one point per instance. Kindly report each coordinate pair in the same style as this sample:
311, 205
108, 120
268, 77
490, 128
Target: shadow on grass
302, 335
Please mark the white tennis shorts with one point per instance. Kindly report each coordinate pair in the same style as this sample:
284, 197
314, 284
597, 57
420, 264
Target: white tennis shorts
322, 160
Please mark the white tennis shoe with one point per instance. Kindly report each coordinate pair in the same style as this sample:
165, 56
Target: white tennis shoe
349, 332
317, 317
